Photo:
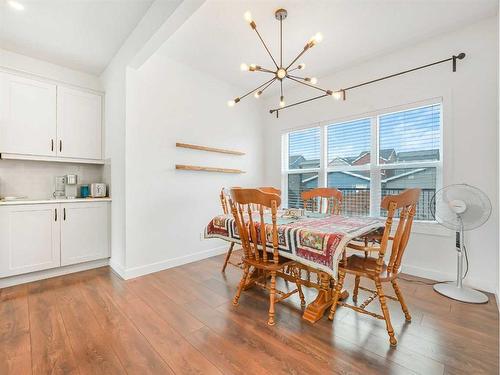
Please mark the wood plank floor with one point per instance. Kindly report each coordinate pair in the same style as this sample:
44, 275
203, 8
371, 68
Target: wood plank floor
181, 321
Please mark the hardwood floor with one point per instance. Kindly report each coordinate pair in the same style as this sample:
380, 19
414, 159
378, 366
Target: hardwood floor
181, 321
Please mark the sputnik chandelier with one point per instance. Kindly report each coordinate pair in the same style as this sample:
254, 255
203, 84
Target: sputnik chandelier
281, 72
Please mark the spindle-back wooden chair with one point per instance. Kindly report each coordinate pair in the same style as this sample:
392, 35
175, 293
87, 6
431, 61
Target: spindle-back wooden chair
313, 200
270, 189
255, 236
225, 196
375, 268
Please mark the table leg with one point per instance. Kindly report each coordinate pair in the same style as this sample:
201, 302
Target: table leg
316, 309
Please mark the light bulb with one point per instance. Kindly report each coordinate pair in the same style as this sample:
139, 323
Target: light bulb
16, 5
301, 66
315, 39
244, 67
248, 17
282, 102
337, 95
314, 80
231, 103
257, 94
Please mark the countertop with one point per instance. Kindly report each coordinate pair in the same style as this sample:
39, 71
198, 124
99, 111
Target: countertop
49, 201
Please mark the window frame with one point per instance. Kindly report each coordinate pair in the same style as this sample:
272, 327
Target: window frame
373, 166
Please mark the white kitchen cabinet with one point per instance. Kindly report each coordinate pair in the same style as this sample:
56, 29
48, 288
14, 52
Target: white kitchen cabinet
79, 130
29, 238
36, 237
27, 116
84, 232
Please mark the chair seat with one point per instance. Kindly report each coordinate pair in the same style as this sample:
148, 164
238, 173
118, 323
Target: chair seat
359, 265
269, 265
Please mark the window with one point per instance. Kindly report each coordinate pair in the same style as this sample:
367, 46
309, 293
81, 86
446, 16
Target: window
367, 159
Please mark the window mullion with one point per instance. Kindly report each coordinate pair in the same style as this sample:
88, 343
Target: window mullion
375, 188
324, 158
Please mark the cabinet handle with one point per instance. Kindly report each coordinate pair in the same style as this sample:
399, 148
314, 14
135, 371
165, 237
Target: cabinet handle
55, 214
60, 145
51, 145
64, 213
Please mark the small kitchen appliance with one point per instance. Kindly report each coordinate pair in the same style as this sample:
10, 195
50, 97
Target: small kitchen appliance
98, 190
70, 189
60, 187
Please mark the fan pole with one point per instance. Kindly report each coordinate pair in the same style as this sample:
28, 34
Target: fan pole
456, 290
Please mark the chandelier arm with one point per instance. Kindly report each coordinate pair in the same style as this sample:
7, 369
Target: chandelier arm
327, 92
281, 87
264, 70
294, 104
269, 84
265, 46
255, 89
298, 56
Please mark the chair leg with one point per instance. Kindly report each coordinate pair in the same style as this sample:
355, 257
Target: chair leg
336, 294
401, 300
272, 297
243, 280
228, 256
296, 275
385, 312
356, 287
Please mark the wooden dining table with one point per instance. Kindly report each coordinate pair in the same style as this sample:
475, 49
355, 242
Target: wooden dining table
315, 241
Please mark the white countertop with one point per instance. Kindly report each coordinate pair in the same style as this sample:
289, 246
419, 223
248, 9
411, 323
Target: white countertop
48, 201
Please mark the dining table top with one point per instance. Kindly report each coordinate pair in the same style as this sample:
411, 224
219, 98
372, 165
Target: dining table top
315, 240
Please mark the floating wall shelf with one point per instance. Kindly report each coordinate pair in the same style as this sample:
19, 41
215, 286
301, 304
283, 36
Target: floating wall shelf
209, 149
207, 169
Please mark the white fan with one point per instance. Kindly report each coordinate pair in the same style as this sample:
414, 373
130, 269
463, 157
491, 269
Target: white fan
460, 207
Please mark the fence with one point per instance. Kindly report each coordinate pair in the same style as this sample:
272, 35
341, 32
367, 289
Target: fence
356, 202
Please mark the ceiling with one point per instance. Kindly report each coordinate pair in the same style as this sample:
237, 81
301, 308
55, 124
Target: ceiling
79, 34
217, 39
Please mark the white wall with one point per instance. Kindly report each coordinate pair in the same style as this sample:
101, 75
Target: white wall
470, 103
162, 18
167, 210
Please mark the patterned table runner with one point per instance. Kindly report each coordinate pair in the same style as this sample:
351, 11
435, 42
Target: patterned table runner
317, 242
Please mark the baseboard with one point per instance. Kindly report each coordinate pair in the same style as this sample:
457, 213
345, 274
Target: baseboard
117, 269
441, 276
133, 272
47, 274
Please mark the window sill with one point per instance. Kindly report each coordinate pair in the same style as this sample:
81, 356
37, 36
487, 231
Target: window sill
431, 228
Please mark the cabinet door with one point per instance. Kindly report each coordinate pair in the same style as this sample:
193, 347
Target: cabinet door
84, 232
27, 116
78, 124
29, 238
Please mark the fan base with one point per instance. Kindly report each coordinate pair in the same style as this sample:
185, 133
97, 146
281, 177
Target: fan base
463, 294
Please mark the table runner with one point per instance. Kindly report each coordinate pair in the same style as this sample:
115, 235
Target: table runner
315, 242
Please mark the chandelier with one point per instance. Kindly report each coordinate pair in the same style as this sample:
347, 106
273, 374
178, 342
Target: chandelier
280, 72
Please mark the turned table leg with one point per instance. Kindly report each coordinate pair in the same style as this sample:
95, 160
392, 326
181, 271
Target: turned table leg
316, 309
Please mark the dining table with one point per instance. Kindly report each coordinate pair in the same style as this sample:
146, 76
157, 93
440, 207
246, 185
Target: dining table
315, 241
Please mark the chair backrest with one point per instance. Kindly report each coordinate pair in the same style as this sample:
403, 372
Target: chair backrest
406, 202
313, 200
225, 195
270, 189
251, 225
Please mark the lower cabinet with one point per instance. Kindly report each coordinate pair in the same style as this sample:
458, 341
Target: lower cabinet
42, 236
84, 232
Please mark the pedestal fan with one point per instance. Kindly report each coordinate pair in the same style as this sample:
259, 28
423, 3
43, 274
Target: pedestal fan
460, 207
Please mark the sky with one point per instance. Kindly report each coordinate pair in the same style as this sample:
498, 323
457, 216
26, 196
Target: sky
411, 130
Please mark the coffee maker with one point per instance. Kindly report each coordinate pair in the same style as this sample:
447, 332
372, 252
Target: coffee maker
66, 187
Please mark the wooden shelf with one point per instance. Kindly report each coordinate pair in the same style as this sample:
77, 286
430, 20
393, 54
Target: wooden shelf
209, 149
207, 169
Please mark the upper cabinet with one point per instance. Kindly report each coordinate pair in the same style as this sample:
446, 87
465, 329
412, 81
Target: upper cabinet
27, 116
78, 124
40, 120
